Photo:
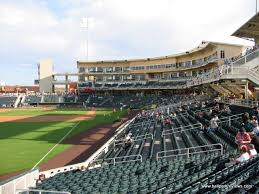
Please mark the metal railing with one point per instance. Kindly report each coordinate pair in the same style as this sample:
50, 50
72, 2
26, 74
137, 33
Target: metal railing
203, 110
183, 128
141, 123
114, 161
229, 119
173, 132
139, 158
235, 68
188, 151
37, 191
241, 102
247, 58
136, 138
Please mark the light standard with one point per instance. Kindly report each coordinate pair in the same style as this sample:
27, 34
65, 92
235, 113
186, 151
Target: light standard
255, 6
84, 24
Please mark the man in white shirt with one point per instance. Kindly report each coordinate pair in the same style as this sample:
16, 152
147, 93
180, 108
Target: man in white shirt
252, 151
128, 141
244, 154
214, 123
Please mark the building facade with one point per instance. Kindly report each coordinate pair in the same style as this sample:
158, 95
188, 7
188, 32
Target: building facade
167, 68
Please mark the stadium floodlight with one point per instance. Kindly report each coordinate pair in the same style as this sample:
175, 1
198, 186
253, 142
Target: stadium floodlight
84, 24
255, 6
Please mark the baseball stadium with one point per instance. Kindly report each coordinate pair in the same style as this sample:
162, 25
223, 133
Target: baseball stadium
185, 123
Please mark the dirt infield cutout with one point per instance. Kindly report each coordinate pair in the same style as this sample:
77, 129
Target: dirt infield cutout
48, 118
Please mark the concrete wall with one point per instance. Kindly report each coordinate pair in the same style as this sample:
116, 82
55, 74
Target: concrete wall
45, 76
257, 40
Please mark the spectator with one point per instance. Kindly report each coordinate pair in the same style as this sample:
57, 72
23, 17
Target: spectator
256, 113
128, 141
83, 168
168, 123
252, 151
254, 121
244, 154
205, 128
247, 123
242, 137
214, 123
245, 117
256, 129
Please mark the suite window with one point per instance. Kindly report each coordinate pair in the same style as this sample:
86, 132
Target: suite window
81, 70
222, 54
99, 69
118, 69
109, 69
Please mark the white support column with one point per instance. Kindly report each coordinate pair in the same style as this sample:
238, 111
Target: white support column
246, 90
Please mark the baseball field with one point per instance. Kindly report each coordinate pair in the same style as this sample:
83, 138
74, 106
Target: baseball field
28, 135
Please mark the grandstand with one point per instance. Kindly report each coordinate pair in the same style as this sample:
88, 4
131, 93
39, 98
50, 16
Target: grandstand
170, 146
179, 159
7, 101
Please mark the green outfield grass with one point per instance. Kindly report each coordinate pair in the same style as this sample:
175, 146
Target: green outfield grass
22, 145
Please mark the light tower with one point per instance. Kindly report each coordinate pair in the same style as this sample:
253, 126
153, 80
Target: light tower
84, 24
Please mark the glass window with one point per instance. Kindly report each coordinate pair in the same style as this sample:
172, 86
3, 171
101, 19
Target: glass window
222, 54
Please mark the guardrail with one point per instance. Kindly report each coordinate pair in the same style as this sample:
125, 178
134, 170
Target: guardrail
230, 119
188, 153
141, 123
136, 138
247, 58
203, 110
114, 162
179, 129
241, 102
37, 191
234, 68
173, 132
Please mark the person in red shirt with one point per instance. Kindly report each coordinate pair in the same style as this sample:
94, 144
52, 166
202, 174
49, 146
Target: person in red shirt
168, 123
242, 137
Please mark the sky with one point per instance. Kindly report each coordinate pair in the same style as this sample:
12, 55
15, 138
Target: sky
31, 30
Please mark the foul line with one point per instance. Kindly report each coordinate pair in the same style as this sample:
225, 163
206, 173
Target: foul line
55, 145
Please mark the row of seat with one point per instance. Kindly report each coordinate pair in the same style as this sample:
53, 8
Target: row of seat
132, 177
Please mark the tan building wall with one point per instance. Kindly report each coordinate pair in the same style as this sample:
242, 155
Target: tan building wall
45, 68
196, 56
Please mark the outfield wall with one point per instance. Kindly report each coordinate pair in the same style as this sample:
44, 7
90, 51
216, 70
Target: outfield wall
22, 181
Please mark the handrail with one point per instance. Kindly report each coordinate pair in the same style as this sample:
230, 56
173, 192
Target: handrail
138, 155
145, 136
183, 127
173, 132
18, 191
188, 151
203, 110
228, 70
114, 159
244, 57
244, 102
136, 138
232, 116
142, 123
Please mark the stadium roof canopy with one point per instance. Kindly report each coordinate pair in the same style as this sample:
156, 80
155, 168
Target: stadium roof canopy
250, 30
